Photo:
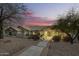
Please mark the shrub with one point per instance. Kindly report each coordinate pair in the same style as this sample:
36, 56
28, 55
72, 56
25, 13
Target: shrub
66, 39
35, 37
56, 38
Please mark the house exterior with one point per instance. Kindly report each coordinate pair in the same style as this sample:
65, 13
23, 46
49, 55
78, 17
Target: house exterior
12, 31
24, 30
15, 31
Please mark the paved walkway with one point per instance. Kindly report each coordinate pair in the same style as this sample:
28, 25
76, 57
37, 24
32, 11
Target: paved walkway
35, 50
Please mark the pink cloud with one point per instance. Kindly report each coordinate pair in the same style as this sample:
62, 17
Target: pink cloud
38, 21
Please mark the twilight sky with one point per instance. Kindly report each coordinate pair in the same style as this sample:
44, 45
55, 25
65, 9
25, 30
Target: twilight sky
46, 13
50, 10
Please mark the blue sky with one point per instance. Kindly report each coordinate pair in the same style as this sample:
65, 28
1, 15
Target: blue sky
50, 10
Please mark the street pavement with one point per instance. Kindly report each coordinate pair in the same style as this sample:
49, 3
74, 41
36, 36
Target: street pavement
35, 50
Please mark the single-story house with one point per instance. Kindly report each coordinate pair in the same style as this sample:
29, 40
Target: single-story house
12, 31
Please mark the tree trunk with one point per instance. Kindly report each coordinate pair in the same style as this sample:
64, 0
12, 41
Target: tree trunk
70, 37
76, 35
1, 29
71, 41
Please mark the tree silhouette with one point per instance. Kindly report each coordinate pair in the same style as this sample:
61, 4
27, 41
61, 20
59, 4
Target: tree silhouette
10, 12
69, 24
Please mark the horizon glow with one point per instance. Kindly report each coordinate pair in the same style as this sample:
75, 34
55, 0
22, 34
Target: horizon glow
47, 12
